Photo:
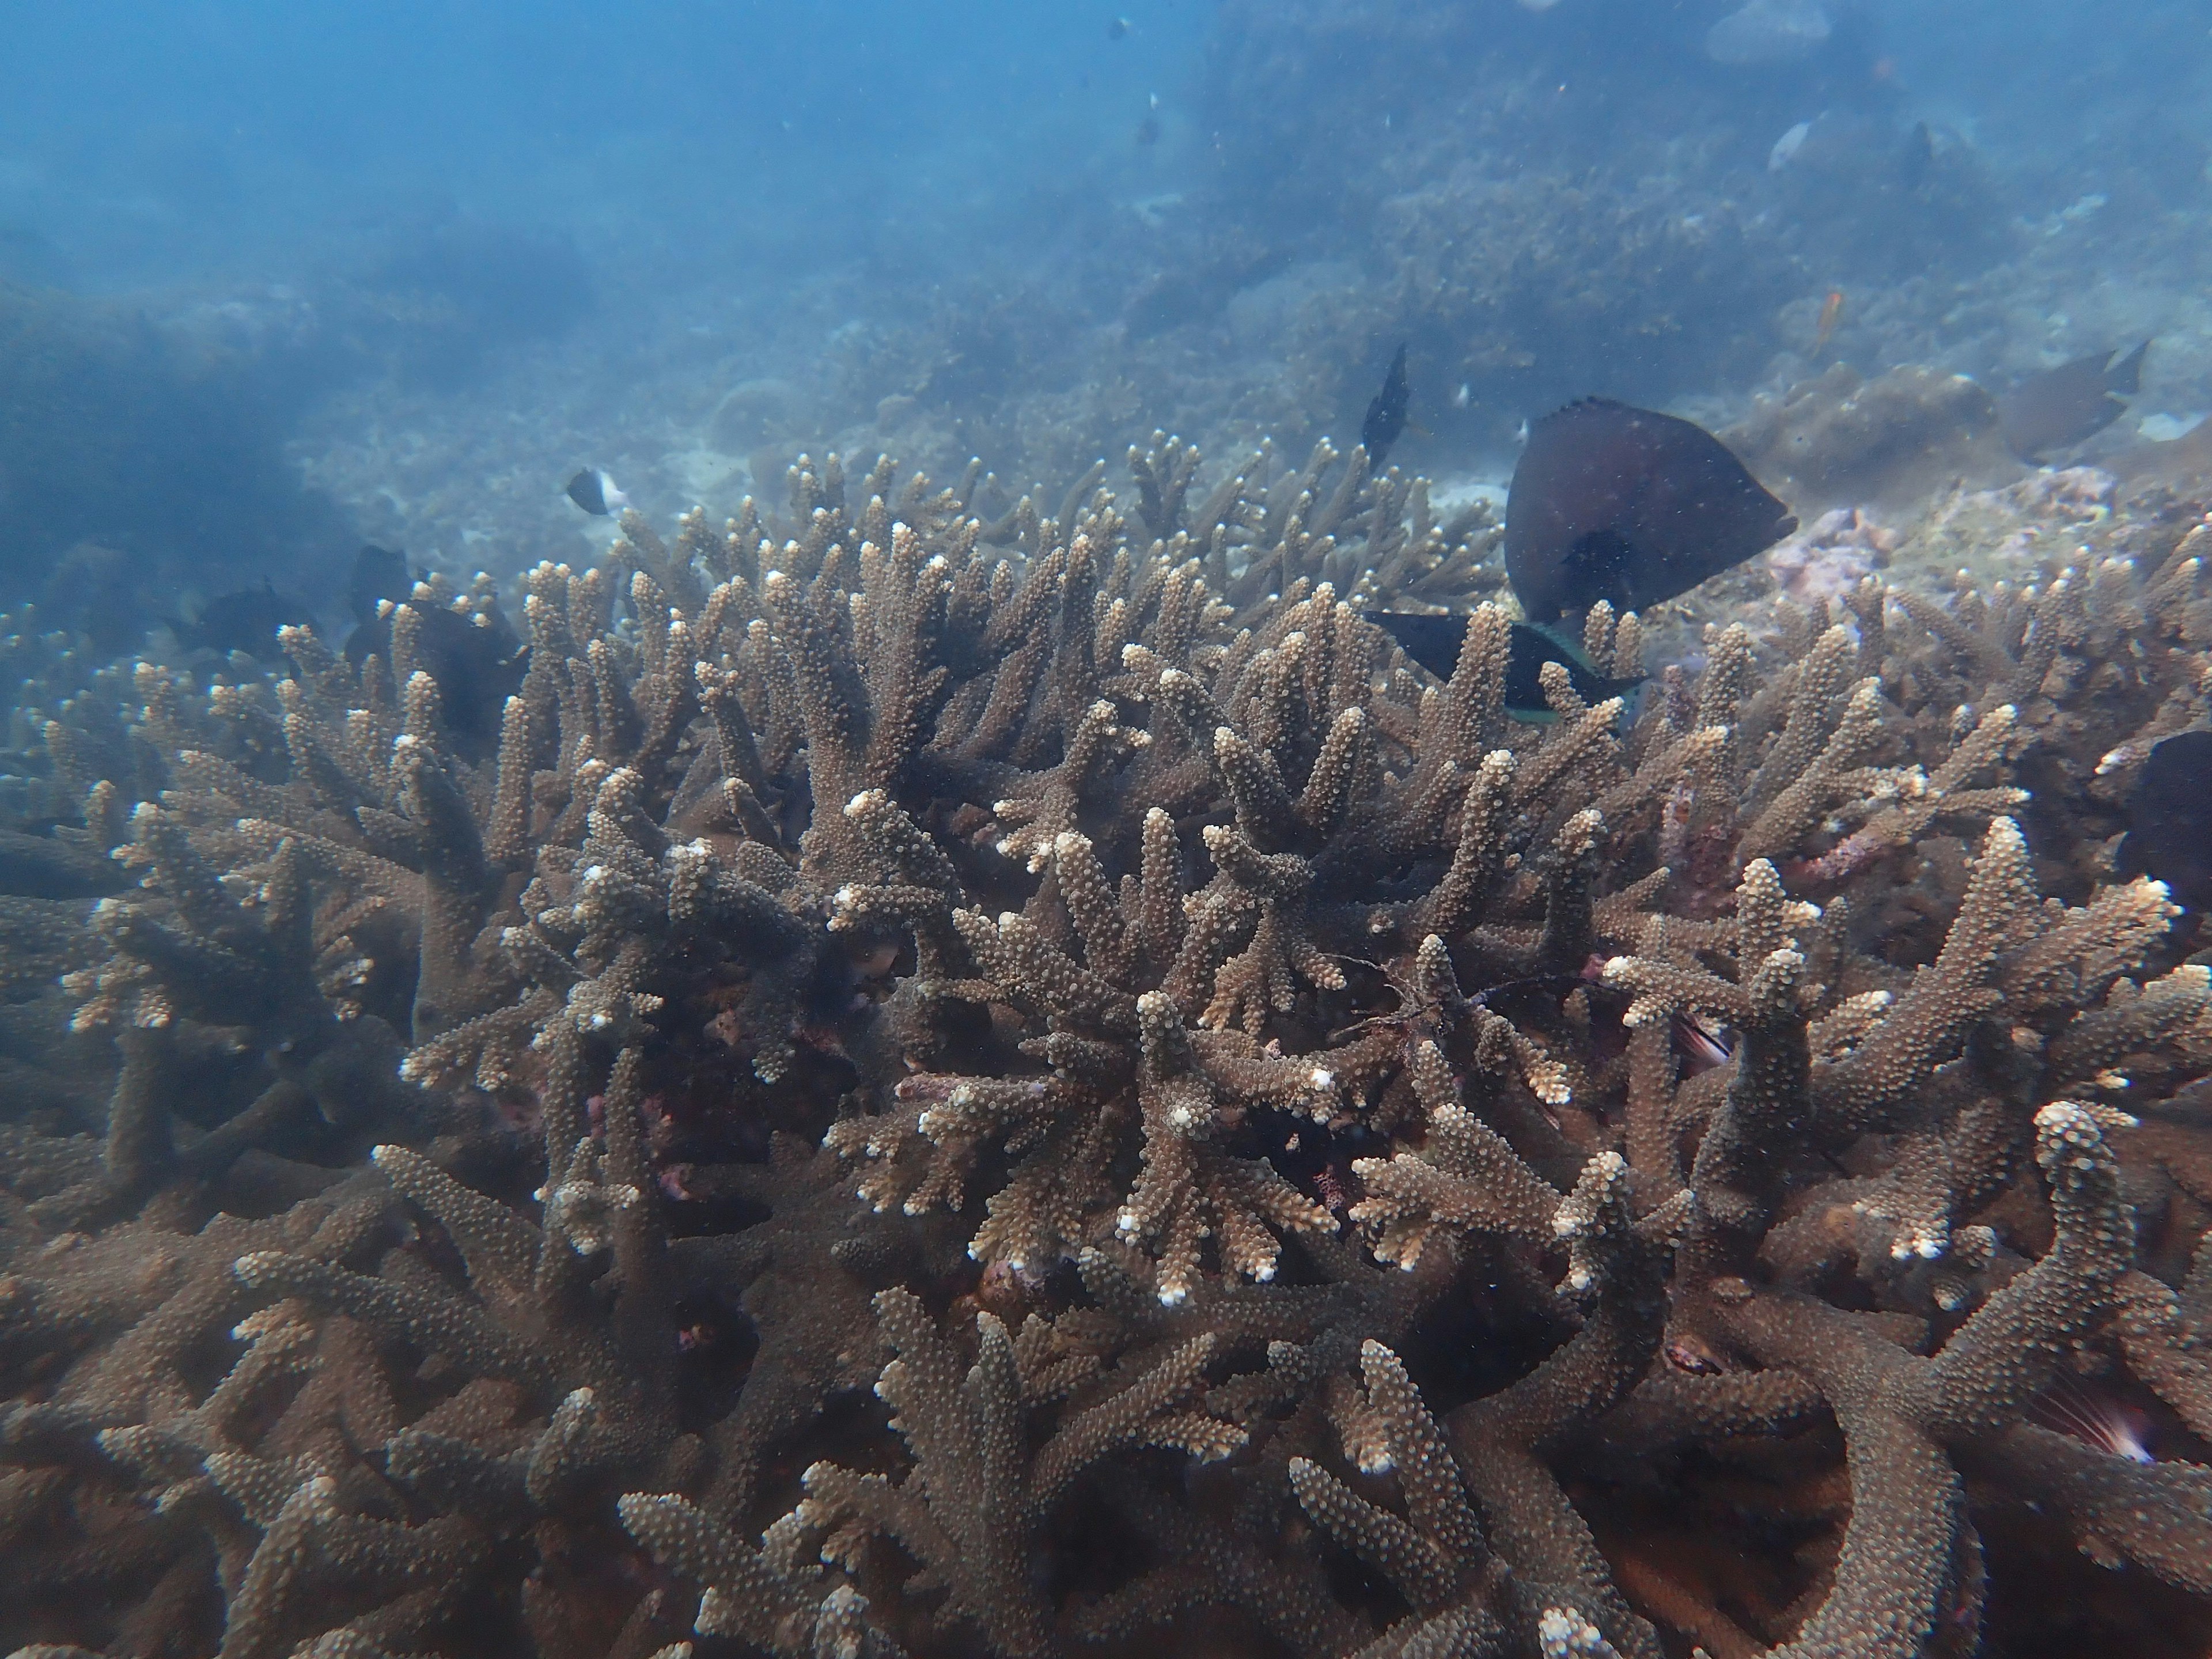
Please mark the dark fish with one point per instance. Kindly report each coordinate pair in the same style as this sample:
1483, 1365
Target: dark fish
2169, 835
1148, 132
1434, 642
477, 666
1621, 504
377, 574
595, 492
2063, 406
246, 620
1118, 29
1386, 415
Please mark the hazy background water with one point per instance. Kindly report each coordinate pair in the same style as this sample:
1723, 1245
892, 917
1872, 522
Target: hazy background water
285, 277
159, 143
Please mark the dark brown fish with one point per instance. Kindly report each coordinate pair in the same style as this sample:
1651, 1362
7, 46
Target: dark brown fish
1621, 504
2063, 406
479, 665
1386, 415
2169, 835
377, 574
246, 621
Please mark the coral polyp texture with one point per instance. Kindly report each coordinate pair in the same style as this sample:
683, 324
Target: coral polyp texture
1033, 1088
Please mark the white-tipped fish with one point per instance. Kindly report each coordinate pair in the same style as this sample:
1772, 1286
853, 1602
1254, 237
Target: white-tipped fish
595, 492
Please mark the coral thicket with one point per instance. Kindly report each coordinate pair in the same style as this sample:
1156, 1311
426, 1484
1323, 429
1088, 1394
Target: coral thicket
957, 1087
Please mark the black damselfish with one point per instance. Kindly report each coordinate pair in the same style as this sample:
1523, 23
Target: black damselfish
377, 574
2064, 406
477, 661
1386, 414
1434, 642
246, 621
2169, 835
1628, 506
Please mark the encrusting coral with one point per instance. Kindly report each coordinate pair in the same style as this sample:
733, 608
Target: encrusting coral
1651, 1179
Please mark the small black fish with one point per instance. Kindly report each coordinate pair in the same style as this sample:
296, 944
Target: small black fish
1118, 29
2169, 835
2064, 406
595, 492
1386, 415
246, 621
377, 574
1629, 505
1434, 642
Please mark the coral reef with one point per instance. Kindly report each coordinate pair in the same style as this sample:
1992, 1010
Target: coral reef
957, 1087
1829, 558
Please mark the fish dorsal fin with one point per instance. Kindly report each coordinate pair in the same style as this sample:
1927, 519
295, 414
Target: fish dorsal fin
1567, 410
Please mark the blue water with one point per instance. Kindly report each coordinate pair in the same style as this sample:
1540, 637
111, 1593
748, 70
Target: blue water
154, 144
319, 273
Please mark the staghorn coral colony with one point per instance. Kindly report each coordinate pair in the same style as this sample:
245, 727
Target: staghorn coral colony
1025, 1089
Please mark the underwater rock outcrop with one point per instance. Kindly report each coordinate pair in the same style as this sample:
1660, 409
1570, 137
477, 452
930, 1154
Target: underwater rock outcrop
1839, 440
1245, 1108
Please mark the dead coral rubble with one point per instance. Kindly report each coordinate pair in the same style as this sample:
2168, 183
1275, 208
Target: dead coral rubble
1244, 1107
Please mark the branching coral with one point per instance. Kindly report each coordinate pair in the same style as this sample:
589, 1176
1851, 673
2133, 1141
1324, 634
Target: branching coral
1241, 1103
